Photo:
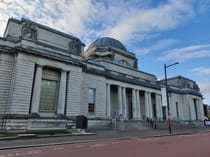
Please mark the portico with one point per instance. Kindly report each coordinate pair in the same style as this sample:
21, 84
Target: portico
132, 103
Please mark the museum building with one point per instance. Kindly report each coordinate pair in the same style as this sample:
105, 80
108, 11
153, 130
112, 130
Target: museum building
47, 79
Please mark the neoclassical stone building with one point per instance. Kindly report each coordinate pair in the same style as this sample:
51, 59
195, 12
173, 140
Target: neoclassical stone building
47, 79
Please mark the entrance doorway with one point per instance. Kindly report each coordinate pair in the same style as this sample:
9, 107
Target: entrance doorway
129, 103
154, 107
130, 107
164, 112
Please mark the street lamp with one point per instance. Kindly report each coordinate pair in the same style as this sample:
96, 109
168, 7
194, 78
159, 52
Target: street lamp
166, 84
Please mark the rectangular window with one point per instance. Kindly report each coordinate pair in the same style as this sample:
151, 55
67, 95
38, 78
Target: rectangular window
48, 96
91, 100
49, 91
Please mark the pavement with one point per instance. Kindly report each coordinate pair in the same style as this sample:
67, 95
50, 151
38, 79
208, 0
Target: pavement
94, 135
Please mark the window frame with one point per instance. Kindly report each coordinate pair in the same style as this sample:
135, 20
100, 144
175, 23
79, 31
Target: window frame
55, 97
50, 74
92, 104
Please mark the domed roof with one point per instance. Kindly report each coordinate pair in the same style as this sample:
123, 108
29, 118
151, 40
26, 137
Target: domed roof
107, 41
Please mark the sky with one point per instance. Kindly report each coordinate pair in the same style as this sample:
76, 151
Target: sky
158, 31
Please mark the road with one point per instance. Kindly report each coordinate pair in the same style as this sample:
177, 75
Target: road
190, 145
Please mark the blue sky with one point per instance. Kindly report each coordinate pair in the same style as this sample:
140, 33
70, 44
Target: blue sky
158, 31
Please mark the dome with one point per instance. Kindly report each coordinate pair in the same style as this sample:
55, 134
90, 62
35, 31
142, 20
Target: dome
107, 41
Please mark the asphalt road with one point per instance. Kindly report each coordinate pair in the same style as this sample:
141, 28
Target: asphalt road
100, 135
189, 145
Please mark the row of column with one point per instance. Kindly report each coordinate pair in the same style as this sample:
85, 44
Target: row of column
37, 91
136, 103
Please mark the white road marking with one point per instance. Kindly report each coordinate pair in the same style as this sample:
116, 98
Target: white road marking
34, 151
147, 140
17, 154
180, 136
58, 148
98, 145
79, 146
115, 142
21, 153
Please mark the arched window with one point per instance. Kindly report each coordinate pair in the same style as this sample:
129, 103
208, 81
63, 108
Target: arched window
123, 63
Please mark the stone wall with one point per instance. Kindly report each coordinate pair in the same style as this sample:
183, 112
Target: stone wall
6, 68
73, 99
21, 86
99, 84
128, 71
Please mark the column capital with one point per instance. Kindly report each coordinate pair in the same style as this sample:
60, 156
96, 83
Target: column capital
133, 89
39, 66
64, 70
148, 92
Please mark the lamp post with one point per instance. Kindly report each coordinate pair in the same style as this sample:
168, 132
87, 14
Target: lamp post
167, 99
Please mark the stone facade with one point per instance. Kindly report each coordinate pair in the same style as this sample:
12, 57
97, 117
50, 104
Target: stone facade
47, 79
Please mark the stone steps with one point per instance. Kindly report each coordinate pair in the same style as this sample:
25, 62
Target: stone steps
130, 125
142, 125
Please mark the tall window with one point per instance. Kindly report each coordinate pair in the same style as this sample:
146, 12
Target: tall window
91, 100
124, 63
49, 91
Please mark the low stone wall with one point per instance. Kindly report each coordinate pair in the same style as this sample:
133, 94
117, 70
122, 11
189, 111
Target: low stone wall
99, 123
14, 125
32, 125
46, 125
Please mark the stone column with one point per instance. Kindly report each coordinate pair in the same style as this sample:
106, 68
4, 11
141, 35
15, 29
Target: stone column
108, 104
191, 107
138, 105
201, 115
62, 93
124, 103
134, 103
148, 104
158, 106
161, 106
120, 105
36, 90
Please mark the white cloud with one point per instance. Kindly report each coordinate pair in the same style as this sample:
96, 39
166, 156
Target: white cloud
186, 53
202, 70
159, 45
90, 19
151, 20
203, 6
205, 90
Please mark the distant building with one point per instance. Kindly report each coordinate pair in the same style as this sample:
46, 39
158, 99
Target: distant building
47, 79
206, 111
